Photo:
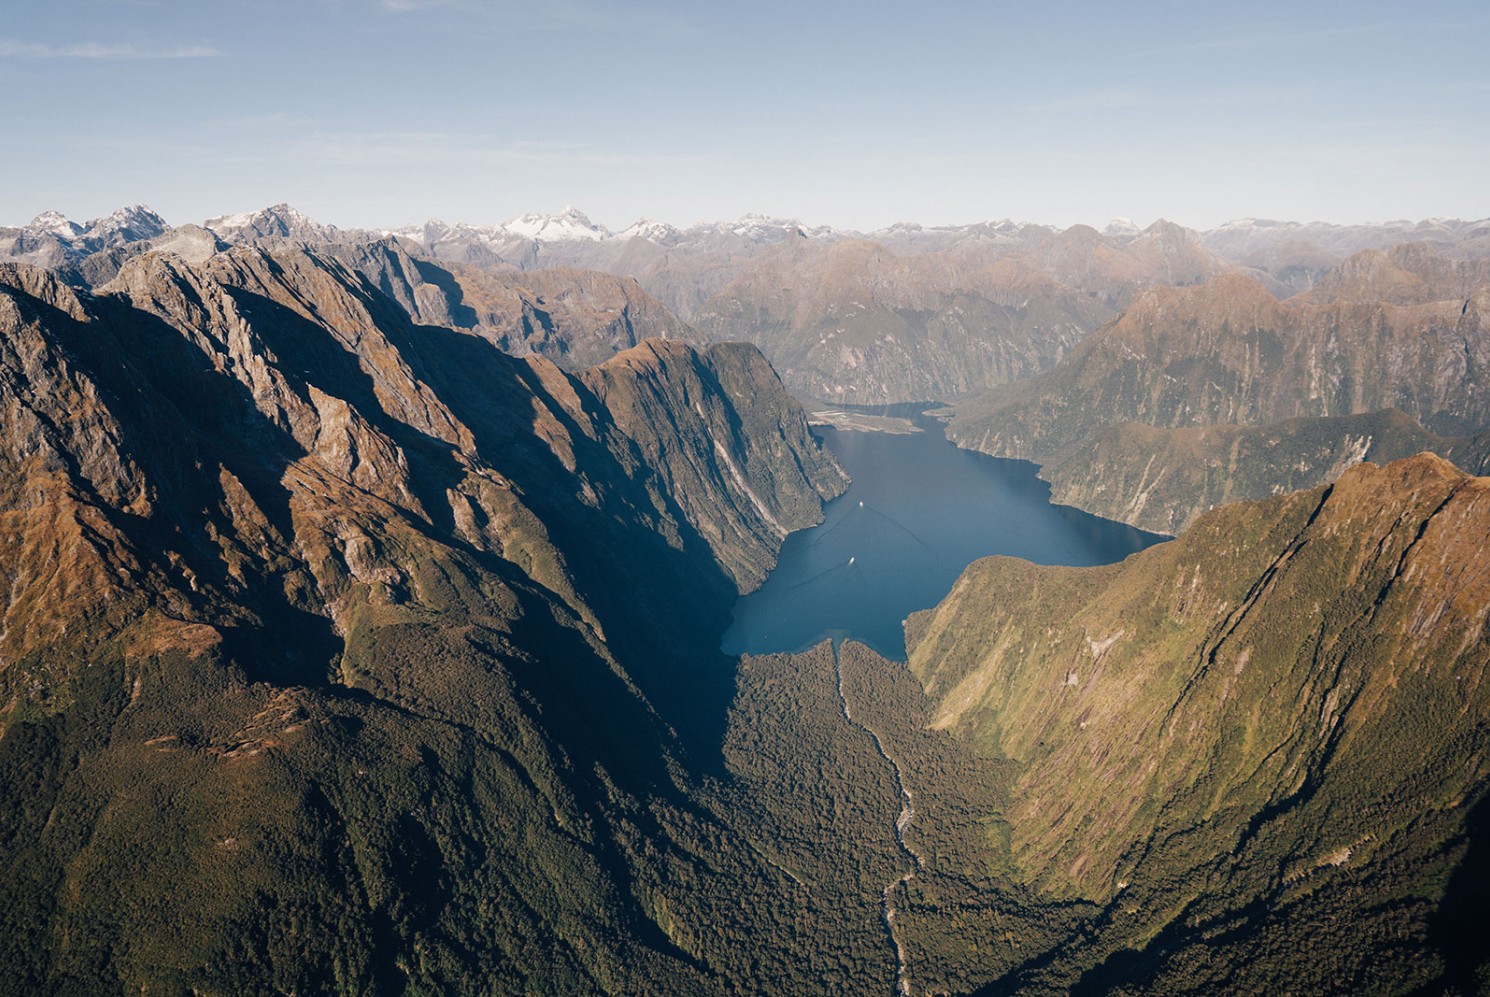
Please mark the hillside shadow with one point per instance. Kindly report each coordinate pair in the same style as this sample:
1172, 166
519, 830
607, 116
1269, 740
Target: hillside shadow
589, 706
462, 314
1457, 928
663, 605
179, 419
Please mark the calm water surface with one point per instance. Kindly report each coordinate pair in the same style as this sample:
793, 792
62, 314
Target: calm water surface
920, 510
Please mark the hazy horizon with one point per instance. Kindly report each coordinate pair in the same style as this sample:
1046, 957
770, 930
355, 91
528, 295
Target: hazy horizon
365, 113
808, 223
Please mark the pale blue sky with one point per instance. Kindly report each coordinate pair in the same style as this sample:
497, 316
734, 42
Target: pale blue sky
384, 112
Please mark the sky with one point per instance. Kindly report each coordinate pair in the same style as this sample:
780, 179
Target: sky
853, 114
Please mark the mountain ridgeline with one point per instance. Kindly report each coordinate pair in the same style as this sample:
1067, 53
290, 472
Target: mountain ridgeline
906, 313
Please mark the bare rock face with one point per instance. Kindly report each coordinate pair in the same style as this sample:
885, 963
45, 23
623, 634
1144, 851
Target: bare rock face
191, 243
69, 566
349, 382
576, 318
275, 226
737, 489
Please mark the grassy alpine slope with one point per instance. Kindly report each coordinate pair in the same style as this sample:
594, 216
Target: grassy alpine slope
1258, 750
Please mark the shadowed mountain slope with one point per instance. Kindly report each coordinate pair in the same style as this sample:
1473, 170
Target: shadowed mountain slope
576, 318
371, 629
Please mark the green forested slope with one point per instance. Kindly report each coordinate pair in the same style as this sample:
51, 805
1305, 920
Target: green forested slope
1259, 749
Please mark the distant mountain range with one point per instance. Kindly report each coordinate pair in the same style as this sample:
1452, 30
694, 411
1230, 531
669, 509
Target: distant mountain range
1292, 253
1195, 396
944, 312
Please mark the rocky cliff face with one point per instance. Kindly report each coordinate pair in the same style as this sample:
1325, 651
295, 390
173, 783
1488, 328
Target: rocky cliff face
294, 359
1162, 479
385, 639
1267, 728
758, 458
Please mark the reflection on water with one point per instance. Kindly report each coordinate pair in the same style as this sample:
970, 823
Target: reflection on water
919, 511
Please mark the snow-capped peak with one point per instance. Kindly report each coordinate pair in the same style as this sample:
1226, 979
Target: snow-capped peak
1121, 227
758, 227
132, 213
570, 223
277, 220
228, 223
55, 223
652, 231
1269, 225
129, 224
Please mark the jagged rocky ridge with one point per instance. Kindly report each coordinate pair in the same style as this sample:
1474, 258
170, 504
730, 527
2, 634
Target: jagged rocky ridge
949, 311
291, 366
575, 318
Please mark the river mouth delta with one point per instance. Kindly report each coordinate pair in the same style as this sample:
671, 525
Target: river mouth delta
919, 511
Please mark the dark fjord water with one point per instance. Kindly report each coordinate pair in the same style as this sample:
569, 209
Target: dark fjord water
920, 510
